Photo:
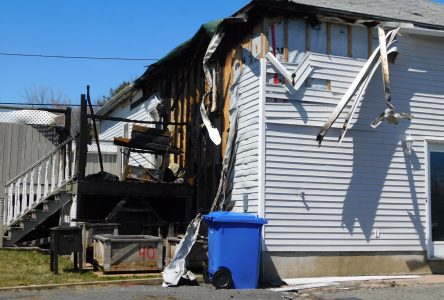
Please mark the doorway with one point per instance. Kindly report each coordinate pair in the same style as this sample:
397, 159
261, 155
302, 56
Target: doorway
435, 185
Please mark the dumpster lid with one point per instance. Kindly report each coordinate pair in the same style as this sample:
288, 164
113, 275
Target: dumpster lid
125, 238
232, 217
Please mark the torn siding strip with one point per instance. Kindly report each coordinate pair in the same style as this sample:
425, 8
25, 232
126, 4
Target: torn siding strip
357, 83
389, 113
385, 68
392, 51
228, 162
212, 47
212, 131
297, 78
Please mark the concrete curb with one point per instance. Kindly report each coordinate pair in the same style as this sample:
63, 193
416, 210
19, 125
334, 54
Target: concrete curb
143, 281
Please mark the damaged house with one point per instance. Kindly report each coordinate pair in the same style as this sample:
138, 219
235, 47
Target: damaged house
331, 130
323, 117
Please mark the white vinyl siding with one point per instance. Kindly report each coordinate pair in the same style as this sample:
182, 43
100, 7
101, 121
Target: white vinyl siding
111, 129
335, 198
244, 184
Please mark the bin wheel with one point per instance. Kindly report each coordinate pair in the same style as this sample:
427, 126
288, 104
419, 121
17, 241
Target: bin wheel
222, 279
206, 276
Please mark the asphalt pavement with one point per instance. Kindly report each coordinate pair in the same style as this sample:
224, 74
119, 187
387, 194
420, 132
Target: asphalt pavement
151, 292
423, 288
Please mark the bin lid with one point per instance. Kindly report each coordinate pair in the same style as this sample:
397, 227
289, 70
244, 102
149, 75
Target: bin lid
126, 238
233, 217
65, 228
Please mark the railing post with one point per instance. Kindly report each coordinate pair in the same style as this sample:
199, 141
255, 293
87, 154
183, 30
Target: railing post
72, 156
17, 198
10, 203
31, 188
53, 170
61, 167
2, 217
24, 193
46, 183
39, 183
66, 174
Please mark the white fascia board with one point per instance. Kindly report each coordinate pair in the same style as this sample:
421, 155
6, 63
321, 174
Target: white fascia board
409, 28
115, 100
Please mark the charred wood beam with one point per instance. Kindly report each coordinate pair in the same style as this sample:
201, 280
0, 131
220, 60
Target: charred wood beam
135, 189
83, 139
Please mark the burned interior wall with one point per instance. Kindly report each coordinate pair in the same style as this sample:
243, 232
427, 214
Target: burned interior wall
179, 85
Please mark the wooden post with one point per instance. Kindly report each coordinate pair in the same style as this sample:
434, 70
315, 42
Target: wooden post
82, 151
83, 139
2, 217
307, 35
68, 149
67, 123
286, 40
350, 40
329, 38
369, 41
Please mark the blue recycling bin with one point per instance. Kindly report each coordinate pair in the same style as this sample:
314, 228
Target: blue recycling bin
234, 248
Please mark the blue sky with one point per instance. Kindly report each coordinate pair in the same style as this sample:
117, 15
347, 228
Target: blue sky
104, 28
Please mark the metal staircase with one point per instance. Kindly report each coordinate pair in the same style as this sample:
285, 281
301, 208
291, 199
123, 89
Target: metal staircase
38, 193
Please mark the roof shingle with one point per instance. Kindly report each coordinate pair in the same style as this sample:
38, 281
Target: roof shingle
415, 11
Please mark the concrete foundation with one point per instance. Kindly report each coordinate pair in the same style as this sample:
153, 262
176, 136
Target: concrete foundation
279, 265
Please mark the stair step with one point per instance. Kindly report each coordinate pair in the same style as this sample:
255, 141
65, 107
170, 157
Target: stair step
35, 217
19, 227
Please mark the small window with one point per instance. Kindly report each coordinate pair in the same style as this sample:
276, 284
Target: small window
318, 84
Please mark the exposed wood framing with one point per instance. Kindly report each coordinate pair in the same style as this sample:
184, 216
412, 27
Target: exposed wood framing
174, 91
181, 130
227, 80
264, 39
350, 40
189, 99
286, 40
328, 38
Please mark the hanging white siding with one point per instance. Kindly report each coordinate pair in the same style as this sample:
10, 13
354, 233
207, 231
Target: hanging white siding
244, 184
336, 198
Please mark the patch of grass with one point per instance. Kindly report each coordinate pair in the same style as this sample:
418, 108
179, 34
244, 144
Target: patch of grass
22, 268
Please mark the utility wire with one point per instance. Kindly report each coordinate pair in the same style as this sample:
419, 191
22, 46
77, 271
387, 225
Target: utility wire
76, 57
